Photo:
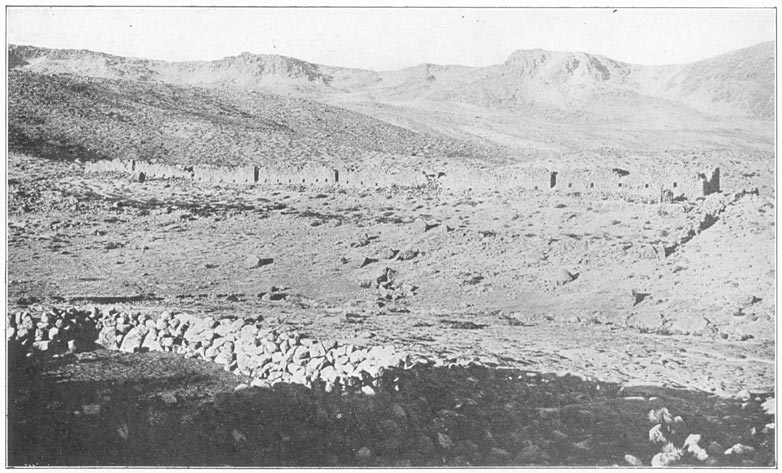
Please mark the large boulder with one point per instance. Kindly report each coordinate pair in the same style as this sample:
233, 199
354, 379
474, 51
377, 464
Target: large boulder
133, 339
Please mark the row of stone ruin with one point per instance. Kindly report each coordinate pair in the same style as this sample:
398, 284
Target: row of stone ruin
654, 184
246, 347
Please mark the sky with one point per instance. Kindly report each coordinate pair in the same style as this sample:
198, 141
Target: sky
393, 38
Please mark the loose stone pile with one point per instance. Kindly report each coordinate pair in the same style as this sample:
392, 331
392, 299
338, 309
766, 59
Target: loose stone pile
54, 329
669, 431
246, 347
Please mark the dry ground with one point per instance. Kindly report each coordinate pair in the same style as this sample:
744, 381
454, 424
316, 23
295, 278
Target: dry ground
484, 280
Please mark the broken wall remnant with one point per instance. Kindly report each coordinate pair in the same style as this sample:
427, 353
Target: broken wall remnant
651, 184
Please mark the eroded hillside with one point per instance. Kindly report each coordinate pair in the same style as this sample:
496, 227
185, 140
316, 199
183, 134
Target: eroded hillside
67, 115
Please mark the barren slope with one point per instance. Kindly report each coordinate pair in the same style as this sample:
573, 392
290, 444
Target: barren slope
107, 118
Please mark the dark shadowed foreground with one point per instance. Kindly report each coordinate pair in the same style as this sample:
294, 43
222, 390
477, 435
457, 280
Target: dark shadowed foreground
112, 408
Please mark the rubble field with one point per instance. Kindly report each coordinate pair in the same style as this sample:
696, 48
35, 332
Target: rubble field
167, 322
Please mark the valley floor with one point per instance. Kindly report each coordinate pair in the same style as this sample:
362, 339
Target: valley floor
679, 296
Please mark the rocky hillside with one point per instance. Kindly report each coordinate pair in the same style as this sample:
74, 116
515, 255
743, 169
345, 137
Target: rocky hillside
739, 82
532, 82
65, 115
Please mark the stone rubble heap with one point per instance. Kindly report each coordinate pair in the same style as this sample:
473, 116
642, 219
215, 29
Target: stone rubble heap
54, 329
669, 431
246, 347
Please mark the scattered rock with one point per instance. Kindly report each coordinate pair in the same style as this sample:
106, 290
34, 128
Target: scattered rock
386, 253
444, 441
363, 453
168, 398
108, 338
656, 434
532, 455
561, 277
769, 406
91, 409
691, 446
633, 460
739, 449
252, 261
418, 226
408, 253
238, 436
670, 456
367, 261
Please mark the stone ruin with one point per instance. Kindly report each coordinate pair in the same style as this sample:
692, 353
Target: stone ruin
659, 185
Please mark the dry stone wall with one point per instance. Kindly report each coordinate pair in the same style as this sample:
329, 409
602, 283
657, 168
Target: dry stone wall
248, 347
652, 184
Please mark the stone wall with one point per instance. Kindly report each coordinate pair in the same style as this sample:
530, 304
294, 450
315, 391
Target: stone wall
648, 184
653, 184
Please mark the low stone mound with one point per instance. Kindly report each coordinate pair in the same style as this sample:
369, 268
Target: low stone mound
246, 347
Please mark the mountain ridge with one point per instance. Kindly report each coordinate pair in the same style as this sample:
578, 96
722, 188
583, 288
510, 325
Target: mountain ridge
537, 104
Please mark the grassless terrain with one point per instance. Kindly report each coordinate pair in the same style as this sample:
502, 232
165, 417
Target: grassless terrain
579, 313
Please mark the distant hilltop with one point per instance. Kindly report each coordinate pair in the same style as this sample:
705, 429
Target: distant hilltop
536, 82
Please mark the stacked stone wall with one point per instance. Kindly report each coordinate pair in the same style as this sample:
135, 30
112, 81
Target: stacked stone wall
652, 184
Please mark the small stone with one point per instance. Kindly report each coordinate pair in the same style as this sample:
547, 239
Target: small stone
418, 226
123, 431
769, 406
260, 383
238, 436
368, 390
444, 441
660, 416
584, 445
167, 342
91, 409
107, 338
386, 253
744, 395
664, 459
739, 449
561, 276
317, 350
53, 333
223, 358
168, 398
656, 434
691, 445
302, 352
633, 460
241, 386
252, 261
328, 374
151, 343
407, 253
363, 453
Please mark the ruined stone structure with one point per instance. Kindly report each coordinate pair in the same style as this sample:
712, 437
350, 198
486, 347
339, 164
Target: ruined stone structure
651, 184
